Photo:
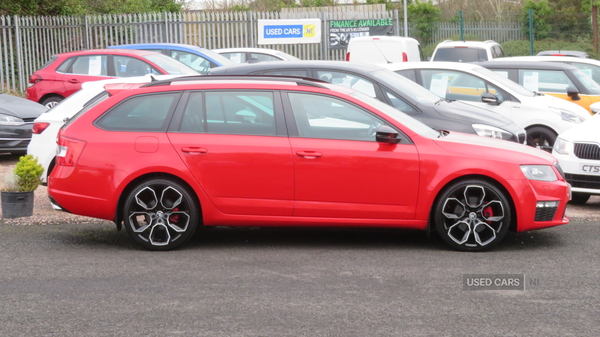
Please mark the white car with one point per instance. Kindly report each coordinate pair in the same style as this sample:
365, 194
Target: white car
578, 152
47, 125
243, 55
467, 51
544, 117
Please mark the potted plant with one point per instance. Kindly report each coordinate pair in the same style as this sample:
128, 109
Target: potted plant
17, 194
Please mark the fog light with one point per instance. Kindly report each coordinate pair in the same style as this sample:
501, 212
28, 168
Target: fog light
541, 204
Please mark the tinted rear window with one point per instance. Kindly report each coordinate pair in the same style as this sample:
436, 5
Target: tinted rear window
460, 55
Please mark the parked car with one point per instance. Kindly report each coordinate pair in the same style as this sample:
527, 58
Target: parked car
542, 116
170, 156
572, 53
578, 151
198, 58
383, 49
588, 66
393, 90
467, 51
243, 55
46, 126
16, 120
64, 73
552, 78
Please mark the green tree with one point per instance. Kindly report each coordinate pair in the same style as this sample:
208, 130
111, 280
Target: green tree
541, 16
424, 15
78, 7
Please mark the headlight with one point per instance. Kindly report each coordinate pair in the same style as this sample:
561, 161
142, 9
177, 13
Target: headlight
491, 131
567, 115
562, 146
10, 120
539, 172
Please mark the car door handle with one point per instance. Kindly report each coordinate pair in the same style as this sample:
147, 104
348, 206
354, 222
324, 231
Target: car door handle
309, 154
193, 150
73, 80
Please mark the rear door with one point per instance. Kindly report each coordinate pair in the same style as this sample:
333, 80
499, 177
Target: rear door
82, 69
235, 144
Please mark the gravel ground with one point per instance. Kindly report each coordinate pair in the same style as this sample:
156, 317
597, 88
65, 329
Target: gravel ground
43, 214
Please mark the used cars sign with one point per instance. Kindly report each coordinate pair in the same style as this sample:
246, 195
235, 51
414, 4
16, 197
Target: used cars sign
289, 31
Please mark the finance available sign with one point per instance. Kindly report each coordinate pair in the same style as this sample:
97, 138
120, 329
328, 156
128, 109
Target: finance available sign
341, 31
289, 31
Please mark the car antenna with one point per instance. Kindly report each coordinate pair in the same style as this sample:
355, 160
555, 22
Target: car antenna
152, 79
381, 52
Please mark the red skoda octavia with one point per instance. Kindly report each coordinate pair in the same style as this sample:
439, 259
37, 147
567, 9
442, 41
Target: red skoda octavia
164, 158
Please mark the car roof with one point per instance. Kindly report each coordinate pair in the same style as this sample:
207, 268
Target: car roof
109, 51
537, 58
528, 65
451, 43
465, 66
342, 65
241, 49
180, 46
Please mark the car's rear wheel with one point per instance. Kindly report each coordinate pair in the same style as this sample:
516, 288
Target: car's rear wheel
160, 214
541, 137
51, 101
472, 215
579, 198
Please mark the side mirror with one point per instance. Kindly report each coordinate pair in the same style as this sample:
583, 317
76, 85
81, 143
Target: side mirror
487, 97
573, 93
386, 134
595, 107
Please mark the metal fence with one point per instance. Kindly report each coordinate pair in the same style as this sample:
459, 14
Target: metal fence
27, 43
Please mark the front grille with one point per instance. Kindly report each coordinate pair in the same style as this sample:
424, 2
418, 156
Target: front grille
521, 137
583, 181
545, 213
587, 151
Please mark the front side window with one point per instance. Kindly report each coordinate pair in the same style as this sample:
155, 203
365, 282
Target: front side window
348, 80
140, 113
326, 117
264, 57
400, 104
196, 62
126, 66
458, 85
554, 81
92, 65
591, 70
236, 57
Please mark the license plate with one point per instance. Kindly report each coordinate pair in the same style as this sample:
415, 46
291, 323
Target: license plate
589, 169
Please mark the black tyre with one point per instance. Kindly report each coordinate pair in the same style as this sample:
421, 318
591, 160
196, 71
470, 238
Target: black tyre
472, 215
541, 137
579, 198
160, 214
51, 101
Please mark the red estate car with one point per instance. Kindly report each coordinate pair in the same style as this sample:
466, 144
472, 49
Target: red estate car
64, 73
169, 156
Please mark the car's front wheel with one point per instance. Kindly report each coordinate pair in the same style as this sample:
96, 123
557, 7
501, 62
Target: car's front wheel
472, 215
160, 214
51, 101
541, 137
579, 198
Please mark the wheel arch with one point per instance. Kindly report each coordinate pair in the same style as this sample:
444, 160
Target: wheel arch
513, 225
46, 96
153, 175
542, 126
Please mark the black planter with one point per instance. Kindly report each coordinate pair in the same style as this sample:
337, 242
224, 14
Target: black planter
17, 204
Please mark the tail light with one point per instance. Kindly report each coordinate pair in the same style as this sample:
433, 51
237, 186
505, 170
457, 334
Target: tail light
69, 150
348, 56
404, 57
39, 127
33, 79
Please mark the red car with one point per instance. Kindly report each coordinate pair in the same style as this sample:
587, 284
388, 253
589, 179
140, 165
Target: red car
65, 73
164, 158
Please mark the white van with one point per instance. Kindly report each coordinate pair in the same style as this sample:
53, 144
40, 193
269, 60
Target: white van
383, 49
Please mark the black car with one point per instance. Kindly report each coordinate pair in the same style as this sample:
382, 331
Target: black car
16, 121
394, 90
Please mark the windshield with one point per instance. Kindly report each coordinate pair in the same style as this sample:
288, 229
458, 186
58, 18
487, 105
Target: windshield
398, 115
505, 82
172, 66
287, 56
590, 84
407, 87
